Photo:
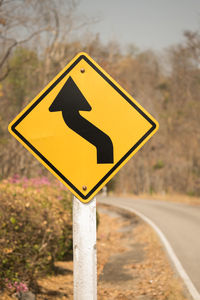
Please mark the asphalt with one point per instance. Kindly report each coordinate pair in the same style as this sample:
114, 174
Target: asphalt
180, 223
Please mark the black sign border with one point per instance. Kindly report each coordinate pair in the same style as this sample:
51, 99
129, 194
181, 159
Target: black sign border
13, 127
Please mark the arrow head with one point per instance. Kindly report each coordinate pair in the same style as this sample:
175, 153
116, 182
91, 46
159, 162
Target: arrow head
70, 99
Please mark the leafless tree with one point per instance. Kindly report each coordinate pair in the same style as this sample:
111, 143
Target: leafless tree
42, 24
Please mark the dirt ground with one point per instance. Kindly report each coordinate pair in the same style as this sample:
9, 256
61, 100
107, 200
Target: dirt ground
131, 264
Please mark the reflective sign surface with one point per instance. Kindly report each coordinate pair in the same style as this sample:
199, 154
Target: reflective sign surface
83, 127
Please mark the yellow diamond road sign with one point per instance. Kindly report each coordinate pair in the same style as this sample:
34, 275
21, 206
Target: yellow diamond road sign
83, 127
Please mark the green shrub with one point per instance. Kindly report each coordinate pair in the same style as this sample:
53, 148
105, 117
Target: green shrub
35, 229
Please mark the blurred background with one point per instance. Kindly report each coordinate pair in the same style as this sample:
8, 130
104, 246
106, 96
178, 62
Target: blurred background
152, 48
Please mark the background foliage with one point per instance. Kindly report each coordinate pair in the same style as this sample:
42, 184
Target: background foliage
167, 85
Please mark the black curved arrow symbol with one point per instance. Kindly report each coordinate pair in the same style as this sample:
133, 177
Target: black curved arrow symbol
70, 101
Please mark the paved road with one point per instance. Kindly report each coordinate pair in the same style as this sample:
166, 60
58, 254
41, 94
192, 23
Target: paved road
180, 223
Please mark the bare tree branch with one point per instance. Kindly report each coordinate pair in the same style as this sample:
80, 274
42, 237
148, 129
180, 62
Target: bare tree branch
16, 43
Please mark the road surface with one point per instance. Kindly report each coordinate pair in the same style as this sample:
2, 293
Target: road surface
180, 224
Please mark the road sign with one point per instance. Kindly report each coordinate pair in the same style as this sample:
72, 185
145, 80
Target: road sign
83, 127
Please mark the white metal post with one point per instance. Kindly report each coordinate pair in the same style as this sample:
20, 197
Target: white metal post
84, 250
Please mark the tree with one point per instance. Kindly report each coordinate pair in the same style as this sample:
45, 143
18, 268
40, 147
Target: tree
39, 24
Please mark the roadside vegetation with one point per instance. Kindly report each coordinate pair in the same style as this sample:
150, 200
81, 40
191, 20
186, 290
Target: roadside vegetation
35, 230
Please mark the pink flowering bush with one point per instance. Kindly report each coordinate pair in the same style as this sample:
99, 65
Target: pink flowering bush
16, 287
35, 229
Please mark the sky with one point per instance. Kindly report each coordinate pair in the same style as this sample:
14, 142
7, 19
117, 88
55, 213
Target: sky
148, 24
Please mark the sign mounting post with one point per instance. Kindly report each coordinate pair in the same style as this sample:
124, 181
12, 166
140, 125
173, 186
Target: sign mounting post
84, 250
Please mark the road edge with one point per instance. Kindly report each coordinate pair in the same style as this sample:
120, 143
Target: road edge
186, 279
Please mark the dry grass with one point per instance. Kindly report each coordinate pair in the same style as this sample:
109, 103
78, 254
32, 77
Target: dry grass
176, 198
